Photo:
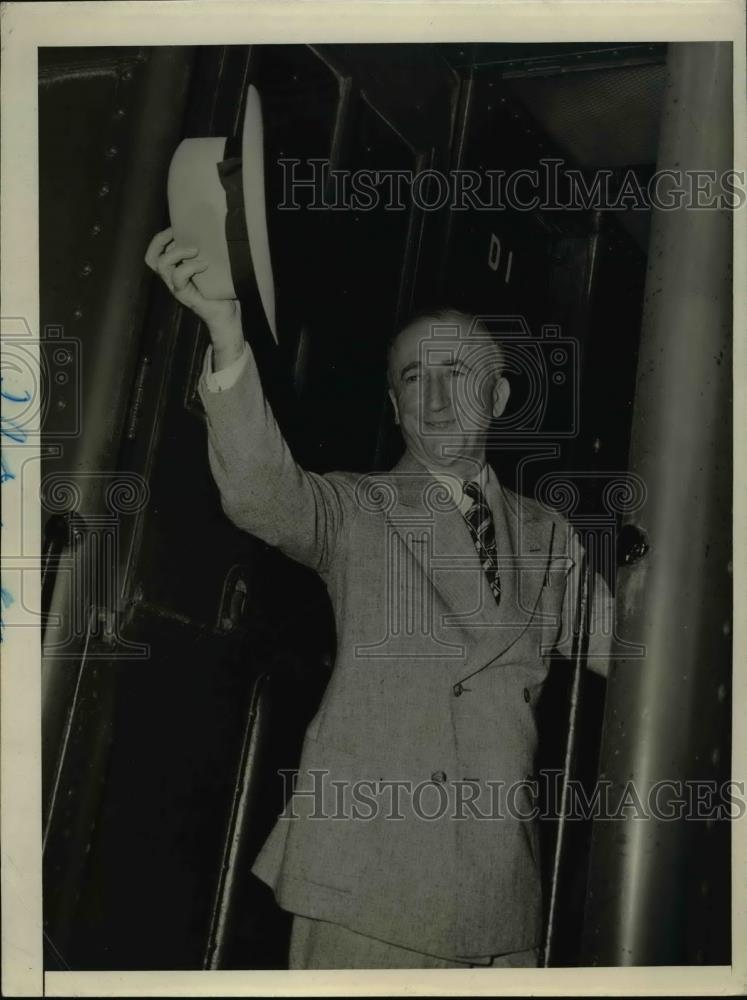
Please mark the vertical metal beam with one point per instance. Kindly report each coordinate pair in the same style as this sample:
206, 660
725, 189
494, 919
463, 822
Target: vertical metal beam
77, 700
111, 362
578, 658
666, 716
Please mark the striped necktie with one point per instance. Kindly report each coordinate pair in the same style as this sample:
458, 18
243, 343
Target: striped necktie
480, 523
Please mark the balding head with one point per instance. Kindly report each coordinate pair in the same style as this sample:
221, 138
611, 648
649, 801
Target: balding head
434, 328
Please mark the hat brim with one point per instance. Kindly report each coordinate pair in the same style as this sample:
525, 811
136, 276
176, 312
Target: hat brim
255, 202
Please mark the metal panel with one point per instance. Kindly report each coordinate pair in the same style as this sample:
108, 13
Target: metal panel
658, 887
93, 287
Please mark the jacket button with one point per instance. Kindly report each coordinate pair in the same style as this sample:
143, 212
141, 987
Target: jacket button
458, 689
527, 696
439, 776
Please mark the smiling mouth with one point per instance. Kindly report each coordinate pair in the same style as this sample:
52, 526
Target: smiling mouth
439, 425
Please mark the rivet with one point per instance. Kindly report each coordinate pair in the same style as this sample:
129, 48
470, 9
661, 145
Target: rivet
77, 313
597, 446
721, 692
86, 269
95, 229
120, 113
715, 755
726, 628
112, 152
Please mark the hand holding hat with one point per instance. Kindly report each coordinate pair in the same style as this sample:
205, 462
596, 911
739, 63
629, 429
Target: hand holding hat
178, 266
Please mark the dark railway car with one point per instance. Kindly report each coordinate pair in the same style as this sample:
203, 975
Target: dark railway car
178, 677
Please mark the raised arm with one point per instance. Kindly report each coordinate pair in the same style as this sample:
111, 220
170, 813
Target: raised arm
263, 490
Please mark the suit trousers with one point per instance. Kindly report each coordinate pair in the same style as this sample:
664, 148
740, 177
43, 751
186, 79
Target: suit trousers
319, 944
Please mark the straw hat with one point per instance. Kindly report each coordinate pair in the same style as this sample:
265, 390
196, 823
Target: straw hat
216, 195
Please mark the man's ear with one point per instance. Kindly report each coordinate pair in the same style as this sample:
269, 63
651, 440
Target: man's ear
501, 392
394, 406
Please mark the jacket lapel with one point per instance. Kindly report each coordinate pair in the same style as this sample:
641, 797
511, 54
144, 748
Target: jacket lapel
434, 531
525, 544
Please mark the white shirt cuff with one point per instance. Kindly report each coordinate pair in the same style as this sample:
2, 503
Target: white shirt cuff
226, 377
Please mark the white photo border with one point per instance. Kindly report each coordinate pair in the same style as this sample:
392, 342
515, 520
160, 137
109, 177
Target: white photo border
29, 26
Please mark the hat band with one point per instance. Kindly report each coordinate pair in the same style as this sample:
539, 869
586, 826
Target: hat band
237, 239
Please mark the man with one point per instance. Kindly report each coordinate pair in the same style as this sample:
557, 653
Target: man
408, 842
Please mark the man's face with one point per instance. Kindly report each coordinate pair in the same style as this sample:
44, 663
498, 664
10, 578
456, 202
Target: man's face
445, 390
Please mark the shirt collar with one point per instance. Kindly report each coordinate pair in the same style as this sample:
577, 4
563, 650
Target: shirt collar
454, 484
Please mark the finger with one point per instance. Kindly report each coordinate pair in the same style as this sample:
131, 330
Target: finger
157, 245
183, 274
169, 260
175, 256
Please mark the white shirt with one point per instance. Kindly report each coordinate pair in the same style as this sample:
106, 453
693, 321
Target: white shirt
226, 377
455, 485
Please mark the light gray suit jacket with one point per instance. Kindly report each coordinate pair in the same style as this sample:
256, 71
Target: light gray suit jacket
434, 683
